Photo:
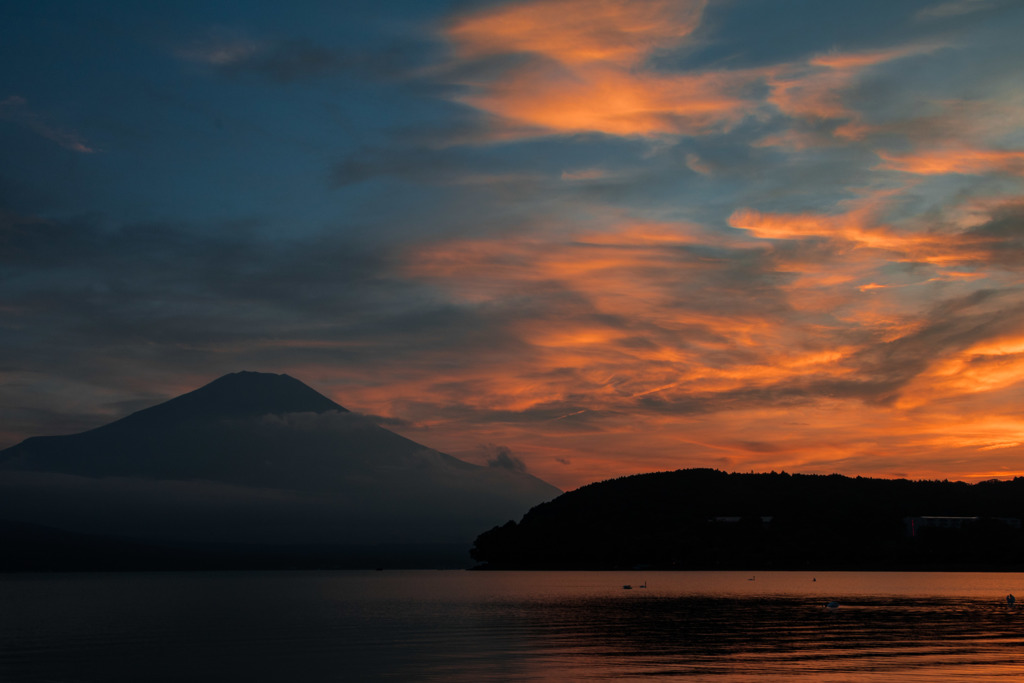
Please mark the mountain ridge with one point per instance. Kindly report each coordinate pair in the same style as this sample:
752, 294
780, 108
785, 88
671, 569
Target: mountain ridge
256, 458
248, 407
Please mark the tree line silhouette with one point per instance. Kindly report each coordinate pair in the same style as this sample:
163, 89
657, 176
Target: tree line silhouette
709, 519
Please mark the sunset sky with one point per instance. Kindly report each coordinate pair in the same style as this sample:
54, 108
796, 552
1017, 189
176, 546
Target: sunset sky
600, 237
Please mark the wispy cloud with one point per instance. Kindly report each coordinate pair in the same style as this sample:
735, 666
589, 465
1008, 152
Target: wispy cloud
956, 8
565, 68
289, 60
819, 89
673, 325
586, 174
16, 109
959, 160
221, 47
576, 33
698, 165
572, 66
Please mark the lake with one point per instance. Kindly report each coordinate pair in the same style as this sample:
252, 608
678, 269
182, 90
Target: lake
509, 626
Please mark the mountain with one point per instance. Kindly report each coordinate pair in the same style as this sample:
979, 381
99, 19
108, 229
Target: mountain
261, 460
707, 519
194, 436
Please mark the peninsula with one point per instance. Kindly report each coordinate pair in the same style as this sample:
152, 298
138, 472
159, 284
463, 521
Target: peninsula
708, 519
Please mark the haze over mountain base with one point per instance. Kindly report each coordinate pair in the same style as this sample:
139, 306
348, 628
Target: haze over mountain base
254, 464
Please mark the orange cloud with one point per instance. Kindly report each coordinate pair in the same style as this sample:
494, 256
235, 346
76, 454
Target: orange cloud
614, 327
960, 160
860, 222
659, 345
577, 32
587, 70
862, 226
986, 367
817, 89
859, 60
607, 99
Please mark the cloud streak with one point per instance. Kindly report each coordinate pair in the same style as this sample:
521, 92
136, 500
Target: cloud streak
956, 160
577, 67
15, 109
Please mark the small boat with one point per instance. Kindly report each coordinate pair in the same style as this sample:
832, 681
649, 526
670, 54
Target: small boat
627, 587
832, 605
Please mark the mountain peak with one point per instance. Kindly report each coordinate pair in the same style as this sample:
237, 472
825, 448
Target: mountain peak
241, 394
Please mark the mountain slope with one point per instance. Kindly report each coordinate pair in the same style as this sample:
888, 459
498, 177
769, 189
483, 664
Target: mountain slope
247, 428
256, 458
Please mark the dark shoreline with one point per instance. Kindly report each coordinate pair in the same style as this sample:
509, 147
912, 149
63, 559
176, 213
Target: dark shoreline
931, 568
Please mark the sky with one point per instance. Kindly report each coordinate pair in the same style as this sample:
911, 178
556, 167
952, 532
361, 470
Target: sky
591, 237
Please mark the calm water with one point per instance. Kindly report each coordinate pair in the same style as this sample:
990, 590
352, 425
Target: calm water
535, 626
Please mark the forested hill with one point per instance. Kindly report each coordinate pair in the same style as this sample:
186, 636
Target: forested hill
707, 519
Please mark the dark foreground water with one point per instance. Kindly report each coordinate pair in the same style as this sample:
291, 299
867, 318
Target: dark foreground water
508, 626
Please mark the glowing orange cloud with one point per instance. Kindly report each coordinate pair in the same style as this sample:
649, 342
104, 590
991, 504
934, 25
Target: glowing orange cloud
577, 32
621, 341
586, 71
858, 60
588, 68
956, 160
613, 347
611, 101
859, 222
628, 320
862, 225
812, 340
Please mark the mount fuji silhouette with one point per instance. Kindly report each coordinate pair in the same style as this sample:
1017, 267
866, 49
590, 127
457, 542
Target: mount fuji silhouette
255, 460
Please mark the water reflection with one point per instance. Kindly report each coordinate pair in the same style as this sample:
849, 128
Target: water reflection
464, 626
740, 639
